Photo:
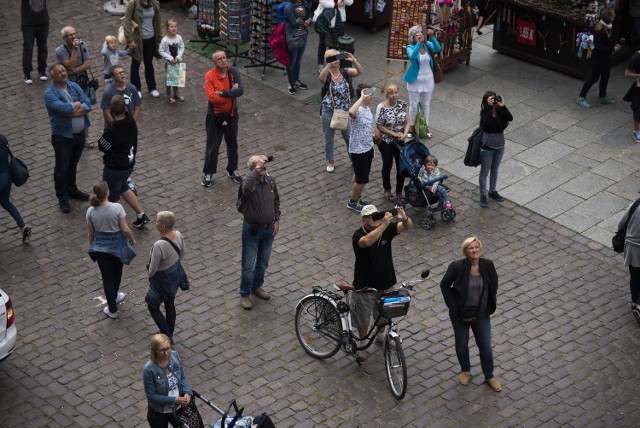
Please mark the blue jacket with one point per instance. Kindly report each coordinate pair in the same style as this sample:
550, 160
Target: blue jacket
114, 243
60, 108
156, 385
413, 52
292, 20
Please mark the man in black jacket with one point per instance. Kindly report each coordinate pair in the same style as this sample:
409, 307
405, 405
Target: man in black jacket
120, 145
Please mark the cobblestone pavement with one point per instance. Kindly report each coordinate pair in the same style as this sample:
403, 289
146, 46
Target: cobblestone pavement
565, 344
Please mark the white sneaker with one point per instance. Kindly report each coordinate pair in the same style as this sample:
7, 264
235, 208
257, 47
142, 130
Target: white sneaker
636, 136
120, 298
155, 93
110, 314
140, 94
43, 77
27, 79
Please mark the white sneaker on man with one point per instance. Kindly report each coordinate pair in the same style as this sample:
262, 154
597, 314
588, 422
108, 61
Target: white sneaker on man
155, 93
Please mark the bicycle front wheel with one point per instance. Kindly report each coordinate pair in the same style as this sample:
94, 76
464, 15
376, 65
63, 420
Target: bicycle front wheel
318, 327
396, 366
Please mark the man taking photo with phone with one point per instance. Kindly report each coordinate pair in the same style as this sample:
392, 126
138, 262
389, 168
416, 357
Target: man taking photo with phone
373, 267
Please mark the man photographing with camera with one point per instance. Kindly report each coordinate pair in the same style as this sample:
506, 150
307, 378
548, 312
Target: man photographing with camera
373, 267
74, 55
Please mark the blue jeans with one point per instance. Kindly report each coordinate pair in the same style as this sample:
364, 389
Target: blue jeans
256, 250
293, 69
329, 134
5, 192
489, 162
67, 153
482, 333
443, 196
32, 34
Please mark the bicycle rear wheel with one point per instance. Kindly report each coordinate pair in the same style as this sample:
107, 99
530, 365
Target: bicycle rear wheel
318, 327
396, 366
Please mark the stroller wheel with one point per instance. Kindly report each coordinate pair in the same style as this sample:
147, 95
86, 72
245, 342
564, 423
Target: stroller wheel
453, 214
445, 215
426, 224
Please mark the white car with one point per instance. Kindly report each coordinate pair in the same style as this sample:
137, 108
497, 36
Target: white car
8, 331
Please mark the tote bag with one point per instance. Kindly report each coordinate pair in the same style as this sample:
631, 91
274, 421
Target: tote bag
420, 125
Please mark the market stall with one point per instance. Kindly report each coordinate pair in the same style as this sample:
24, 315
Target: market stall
555, 34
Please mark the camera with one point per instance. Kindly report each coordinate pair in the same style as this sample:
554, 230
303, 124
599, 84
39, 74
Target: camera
497, 98
369, 91
380, 215
338, 57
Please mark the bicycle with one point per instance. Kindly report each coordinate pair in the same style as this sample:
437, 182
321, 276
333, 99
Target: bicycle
323, 326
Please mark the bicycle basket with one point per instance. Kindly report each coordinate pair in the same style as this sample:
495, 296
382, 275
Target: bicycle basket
394, 305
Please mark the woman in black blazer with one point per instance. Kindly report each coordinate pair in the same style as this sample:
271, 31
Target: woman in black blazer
469, 288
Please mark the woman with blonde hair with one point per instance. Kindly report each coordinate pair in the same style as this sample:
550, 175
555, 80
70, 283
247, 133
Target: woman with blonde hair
392, 120
419, 74
335, 95
470, 288
111, 243
165, 382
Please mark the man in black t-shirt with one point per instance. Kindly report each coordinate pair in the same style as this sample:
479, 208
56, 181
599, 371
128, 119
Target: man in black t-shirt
373, 267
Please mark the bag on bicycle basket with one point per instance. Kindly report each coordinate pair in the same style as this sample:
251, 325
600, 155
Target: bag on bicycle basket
394, 305
188, 416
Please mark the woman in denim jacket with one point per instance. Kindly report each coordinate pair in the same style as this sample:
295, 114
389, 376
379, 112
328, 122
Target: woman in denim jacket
165, 382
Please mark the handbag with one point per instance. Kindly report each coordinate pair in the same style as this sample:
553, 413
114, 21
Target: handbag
340, 118
438, 74
122, 38
295, 43
188, 416
468, 314
91, 94
377, 138
420, 125
617, 242
17, 169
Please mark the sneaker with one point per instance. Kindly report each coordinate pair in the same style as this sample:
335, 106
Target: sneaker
495, 384
362, 201
448, 206
355, 205
483, 201
301, 85
361, 356
206, 181
291, 90
429, 135
110, 314
26, 234
27, 79
235, 176
636, 313
245, 302
582, 102
43, 77
479, 33
496, 196
605, 100
140, 94
155, 93
141, 221
260, 293
120, 298
464, 378
331, 167
79, 195
636, 136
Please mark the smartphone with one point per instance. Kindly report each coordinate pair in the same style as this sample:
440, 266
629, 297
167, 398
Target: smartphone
380, 215
369, 91
341, 56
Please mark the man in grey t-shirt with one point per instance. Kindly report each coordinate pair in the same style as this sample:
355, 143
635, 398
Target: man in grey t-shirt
120, 86
74, 55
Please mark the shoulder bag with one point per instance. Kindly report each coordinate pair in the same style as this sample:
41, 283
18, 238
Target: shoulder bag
340, 118
617, 242
438, 74
17, 169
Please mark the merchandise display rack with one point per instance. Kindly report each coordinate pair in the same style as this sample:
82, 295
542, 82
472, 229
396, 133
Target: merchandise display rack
235, 26
207, 23
262, 23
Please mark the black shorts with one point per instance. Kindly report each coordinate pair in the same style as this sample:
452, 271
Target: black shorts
361, 163
636, 115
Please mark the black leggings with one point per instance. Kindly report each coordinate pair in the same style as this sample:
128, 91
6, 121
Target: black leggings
389, 153
634, 283
159, 420
600, 69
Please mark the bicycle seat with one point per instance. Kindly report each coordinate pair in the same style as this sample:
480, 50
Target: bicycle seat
344, 286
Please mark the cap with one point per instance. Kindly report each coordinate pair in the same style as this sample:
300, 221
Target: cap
368, 210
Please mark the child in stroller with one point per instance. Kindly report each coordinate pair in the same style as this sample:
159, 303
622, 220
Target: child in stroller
413, 158
429, 172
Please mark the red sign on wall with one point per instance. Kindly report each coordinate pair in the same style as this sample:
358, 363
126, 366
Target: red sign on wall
526, 32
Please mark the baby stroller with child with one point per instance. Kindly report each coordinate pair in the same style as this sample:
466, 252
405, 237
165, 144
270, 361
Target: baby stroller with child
417, 194
189, 416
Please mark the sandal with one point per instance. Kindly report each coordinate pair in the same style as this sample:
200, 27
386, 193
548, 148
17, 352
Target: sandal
90, 145
178, 98
389, 196
171, 100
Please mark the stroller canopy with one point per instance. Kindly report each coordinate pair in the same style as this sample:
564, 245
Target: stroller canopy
411, 157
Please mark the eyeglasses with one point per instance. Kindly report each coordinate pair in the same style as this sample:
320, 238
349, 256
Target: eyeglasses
164, 350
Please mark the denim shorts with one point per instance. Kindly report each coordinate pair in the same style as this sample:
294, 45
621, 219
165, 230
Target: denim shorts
117, 181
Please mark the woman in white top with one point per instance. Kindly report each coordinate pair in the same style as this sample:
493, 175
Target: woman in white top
419, 75
111, 243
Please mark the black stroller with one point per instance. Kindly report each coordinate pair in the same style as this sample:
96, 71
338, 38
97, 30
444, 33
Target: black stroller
189, 416
412, 156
